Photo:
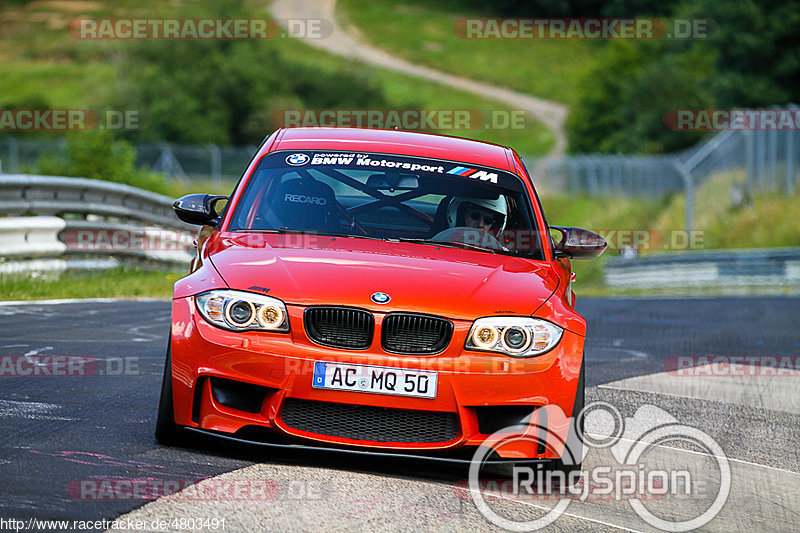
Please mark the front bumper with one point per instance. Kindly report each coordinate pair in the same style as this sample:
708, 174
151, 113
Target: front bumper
231, 383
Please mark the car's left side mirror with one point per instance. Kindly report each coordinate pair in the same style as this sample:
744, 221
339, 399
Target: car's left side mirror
577, 243
200, 209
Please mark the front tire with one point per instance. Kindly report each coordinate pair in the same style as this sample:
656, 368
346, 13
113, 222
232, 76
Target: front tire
167, 431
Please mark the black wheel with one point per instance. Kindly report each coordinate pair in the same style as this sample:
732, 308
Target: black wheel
575, 435
167, 431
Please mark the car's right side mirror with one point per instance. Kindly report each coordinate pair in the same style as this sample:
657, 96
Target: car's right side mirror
577, 243
200, 209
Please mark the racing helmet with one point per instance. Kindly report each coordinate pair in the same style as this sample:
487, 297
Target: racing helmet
458, 204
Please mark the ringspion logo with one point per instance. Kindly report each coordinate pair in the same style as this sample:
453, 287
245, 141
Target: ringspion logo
631, 470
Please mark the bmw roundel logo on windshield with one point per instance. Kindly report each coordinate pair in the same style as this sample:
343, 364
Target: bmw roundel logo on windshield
297, 159
380, 298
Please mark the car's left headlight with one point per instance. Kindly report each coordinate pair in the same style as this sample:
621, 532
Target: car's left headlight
514, 336
242, 311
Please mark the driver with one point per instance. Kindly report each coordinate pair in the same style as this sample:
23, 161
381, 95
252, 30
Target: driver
480, 213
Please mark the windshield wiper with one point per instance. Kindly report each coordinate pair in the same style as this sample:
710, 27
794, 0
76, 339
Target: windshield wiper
287, 231
281, 231
447, 244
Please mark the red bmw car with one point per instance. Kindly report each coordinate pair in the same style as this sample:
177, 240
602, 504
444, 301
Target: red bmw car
375, 291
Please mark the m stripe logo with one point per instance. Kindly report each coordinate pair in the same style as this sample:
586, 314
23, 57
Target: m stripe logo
474, 174
462, 171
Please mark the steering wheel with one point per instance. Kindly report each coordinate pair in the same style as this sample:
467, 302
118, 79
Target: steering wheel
468, 235
354, 224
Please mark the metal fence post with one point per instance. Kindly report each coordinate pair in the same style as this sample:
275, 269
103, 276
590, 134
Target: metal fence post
216, 162
13, 155
750, 162
688, 211
772, 141
789, 161
761, 158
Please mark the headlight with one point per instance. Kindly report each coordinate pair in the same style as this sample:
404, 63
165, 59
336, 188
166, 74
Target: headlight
243, 311
514, 336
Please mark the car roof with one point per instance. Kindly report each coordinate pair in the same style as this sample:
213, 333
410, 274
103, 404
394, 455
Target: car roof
394, 142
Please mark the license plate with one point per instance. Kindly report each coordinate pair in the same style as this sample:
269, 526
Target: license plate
375, 379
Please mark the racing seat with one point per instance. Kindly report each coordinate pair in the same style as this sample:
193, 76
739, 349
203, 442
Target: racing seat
305, 204
440, 218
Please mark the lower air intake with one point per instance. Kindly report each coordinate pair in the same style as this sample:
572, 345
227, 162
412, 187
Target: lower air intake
376, 424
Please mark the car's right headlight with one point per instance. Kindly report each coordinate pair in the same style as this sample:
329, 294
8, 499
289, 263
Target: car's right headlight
243, 311
514, 336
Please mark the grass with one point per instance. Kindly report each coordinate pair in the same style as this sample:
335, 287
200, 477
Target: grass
422, 32
120, 282
79, 86
405, 93
771, 220
41, 62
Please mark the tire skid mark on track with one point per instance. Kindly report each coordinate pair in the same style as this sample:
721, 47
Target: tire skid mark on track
30, 411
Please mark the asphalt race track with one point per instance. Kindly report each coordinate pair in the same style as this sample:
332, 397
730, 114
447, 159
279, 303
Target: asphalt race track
65, 435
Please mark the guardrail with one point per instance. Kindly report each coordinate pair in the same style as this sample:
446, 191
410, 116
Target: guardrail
23, 194
57, 223
777, 267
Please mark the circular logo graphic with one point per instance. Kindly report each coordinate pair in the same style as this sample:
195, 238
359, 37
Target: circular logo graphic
639, 449
297, 159
380, 298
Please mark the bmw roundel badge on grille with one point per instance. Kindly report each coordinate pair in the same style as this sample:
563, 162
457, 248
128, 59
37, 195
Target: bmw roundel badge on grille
380, 298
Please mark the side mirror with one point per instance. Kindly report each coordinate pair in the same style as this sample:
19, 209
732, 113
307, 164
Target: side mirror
578, 243
198, 209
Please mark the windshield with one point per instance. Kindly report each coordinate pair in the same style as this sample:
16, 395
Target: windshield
389, 197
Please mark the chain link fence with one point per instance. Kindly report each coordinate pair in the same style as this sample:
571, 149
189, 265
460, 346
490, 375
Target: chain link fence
766, 160
181, 162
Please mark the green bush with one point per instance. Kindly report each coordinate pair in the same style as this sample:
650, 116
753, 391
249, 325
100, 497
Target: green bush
625, 96
97, 155
226, 92
751, 58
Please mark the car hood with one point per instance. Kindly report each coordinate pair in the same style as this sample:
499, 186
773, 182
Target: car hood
316, 270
